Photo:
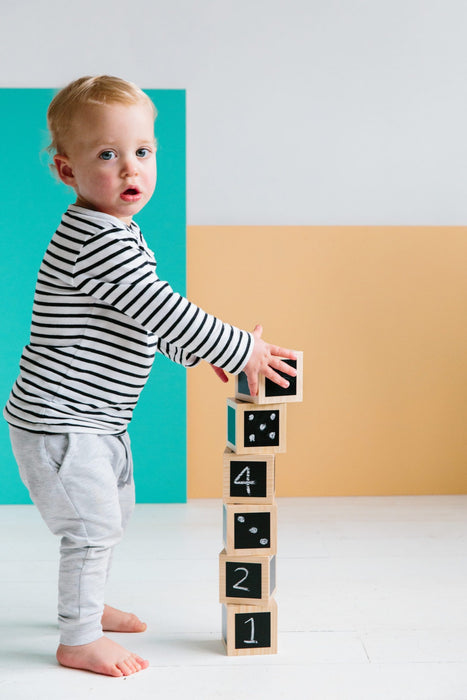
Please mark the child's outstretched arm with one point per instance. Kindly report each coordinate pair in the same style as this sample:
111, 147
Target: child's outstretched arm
264, 359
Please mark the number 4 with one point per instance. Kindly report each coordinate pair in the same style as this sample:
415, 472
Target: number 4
246, 481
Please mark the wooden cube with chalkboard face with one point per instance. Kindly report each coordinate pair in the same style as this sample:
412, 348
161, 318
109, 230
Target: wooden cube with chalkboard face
268, 391
250, 530
248, 478
246, 580
253, 429
250, 629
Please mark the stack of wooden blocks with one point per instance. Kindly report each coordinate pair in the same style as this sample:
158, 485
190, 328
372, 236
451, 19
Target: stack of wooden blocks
256, 432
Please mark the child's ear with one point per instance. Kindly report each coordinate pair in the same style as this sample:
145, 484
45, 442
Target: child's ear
64, 169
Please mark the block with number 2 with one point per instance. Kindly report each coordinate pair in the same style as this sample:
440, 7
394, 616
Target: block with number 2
248, 580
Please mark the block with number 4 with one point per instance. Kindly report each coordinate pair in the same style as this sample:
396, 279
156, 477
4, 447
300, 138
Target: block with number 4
249, 580
248, 478
249, 629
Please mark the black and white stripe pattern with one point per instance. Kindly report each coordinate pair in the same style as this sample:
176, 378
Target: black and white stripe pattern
100, 314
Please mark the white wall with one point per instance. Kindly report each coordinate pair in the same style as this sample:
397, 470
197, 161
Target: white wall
299, 111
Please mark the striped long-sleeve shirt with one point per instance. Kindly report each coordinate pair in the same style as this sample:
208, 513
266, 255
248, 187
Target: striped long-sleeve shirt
100, 314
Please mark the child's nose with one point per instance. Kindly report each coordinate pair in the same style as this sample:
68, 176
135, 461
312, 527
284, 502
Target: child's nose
130, 167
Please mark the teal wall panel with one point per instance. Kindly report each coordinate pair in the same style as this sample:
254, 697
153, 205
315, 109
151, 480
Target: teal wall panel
33, 202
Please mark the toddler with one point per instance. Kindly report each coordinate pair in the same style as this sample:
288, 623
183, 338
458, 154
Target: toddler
100, 314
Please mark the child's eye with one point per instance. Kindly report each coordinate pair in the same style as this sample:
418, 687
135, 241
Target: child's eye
142, 152
107, 155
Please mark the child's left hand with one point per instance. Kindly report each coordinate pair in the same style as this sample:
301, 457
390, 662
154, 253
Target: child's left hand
265, 359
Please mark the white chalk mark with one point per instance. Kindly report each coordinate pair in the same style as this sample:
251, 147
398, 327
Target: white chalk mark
237, 585
252, 639
247, 482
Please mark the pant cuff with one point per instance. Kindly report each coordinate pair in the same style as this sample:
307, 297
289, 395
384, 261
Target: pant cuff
75, 634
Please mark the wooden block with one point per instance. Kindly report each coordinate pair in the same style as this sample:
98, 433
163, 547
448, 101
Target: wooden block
249, 629
268, 391
253, 429
250, 530
246, 580
248, 478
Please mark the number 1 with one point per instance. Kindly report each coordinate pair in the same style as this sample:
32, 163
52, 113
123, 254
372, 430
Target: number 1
252, 639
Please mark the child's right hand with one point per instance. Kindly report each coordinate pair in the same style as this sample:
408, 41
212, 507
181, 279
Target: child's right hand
264, 360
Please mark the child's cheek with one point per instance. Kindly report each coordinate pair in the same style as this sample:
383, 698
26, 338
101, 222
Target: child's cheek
106, 182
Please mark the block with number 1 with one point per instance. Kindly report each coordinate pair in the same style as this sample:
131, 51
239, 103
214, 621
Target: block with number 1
247, 629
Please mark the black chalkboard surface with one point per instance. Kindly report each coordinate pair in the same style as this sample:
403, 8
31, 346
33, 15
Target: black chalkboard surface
261, 428
248, 478
273, 389
252, 530
252, 630
243, 579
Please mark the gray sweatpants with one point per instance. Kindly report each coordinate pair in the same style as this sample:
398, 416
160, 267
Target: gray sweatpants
83, 486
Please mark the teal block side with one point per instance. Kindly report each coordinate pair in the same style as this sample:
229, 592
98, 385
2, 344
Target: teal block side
231, 432
243, 387
36, 202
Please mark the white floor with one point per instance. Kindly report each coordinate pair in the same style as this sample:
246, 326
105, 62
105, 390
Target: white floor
372, 596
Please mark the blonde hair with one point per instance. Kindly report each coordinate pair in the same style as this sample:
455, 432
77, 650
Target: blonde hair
101, 89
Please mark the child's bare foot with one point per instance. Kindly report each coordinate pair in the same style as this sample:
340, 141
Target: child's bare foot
102, 656
114, 620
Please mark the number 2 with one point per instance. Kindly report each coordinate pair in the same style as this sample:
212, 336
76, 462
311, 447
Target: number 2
246, 482
237, 585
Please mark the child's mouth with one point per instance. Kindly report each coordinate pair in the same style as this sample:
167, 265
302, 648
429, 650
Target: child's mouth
131, 194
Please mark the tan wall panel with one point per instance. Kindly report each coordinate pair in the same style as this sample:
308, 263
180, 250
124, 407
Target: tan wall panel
380, 313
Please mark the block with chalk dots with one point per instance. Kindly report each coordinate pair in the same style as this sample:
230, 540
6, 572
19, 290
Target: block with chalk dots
249, 629
254, 429
270, 392
248, 478
250, 530
246, 580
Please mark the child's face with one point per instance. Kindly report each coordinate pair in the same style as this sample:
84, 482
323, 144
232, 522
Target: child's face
110, 158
